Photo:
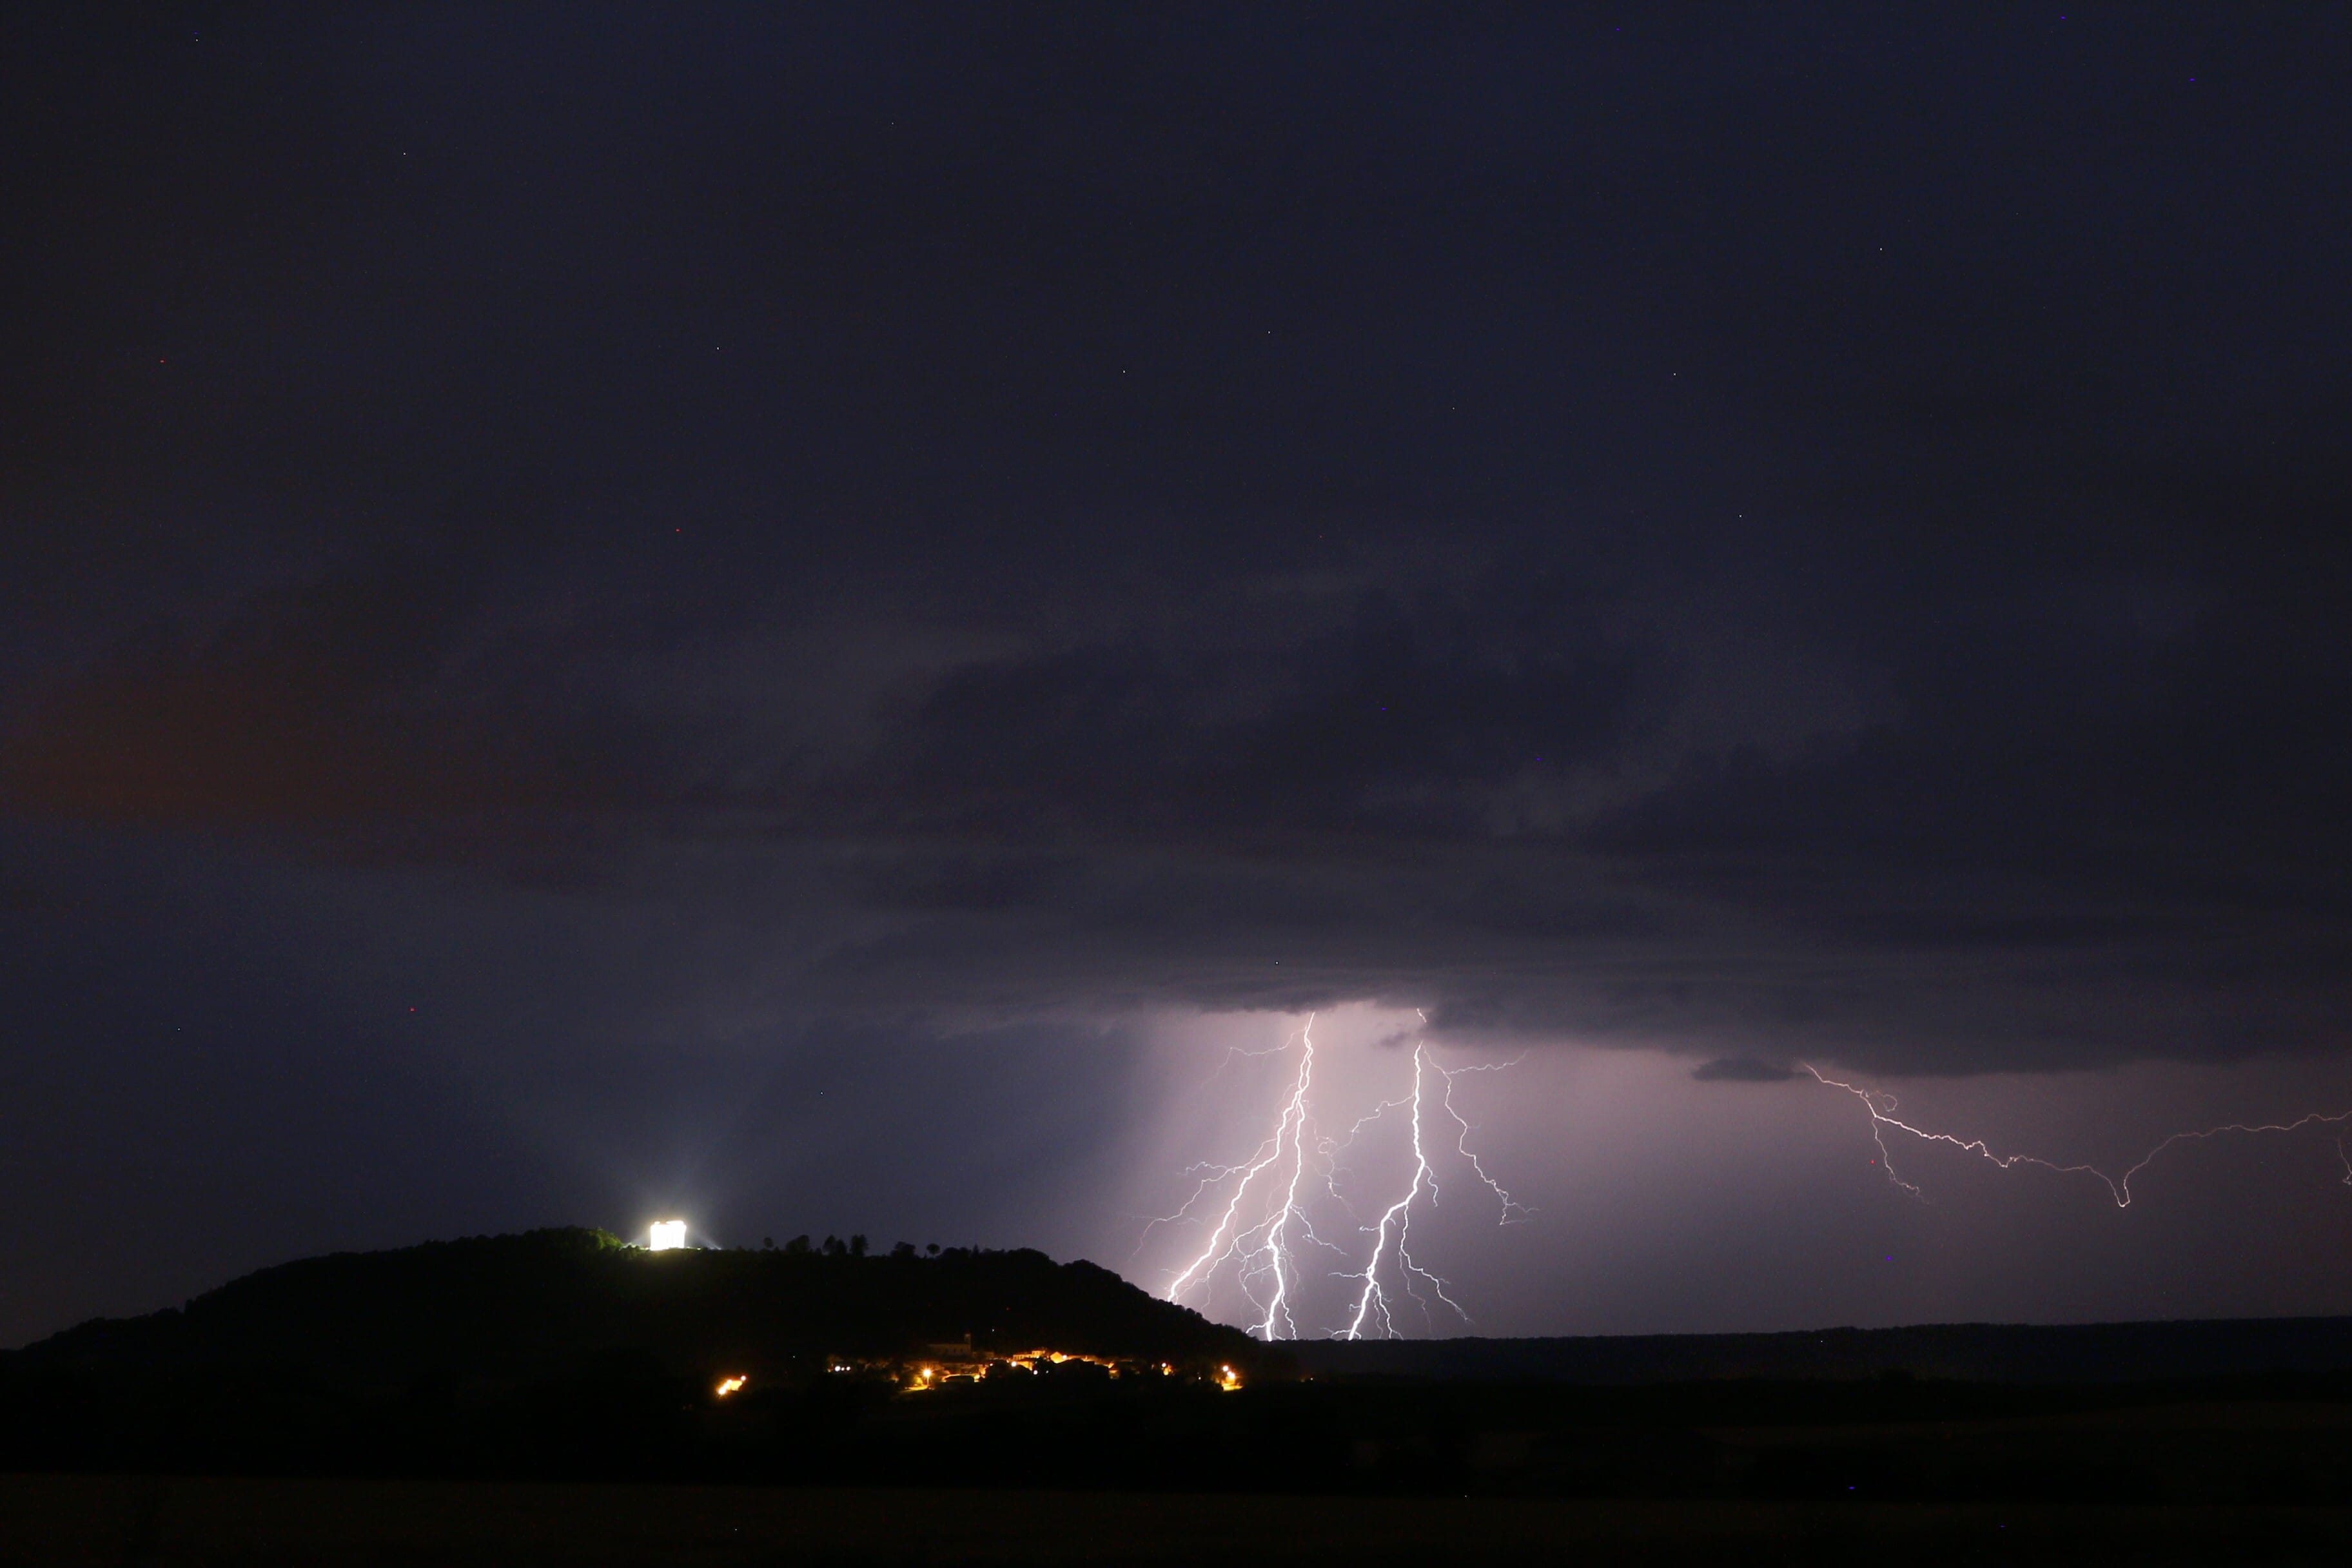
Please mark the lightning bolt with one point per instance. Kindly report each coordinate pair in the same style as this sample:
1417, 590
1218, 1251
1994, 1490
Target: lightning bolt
1882, 1107
1263, 1251
1259, 1249
1511, 1207
1276, 1251
1399, 1217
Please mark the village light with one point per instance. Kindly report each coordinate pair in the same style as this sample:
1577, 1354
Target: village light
668, 1235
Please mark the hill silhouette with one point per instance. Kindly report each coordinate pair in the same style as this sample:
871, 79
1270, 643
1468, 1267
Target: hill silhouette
564, 1352
508, 1308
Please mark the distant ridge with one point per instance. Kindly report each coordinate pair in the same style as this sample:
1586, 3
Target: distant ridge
1996, 1352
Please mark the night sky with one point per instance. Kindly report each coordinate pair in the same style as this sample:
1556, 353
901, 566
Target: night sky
823, 618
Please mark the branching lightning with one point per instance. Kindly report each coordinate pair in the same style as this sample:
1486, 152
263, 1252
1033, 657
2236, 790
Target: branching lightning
1259, 1234
1258, 1250
1882, 1107
1399, 1217
1260, 1212
1511, 1207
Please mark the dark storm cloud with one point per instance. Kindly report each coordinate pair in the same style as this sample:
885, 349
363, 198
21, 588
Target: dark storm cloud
1748, 534
1740, 1069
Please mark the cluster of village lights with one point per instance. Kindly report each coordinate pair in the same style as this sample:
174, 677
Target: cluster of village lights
669, 1235
929, 1377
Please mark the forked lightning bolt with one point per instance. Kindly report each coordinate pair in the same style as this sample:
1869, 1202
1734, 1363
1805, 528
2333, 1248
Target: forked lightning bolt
1399, 1217
1257, 1250
1881, 1105
1262, 1244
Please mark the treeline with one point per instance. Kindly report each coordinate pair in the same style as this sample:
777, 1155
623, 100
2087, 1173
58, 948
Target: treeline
856, 1246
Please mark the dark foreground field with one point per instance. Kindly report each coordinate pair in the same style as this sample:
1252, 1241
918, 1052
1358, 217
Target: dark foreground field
213, 1523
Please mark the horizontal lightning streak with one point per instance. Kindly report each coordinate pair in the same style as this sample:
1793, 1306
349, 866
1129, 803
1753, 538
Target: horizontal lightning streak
1881, 1107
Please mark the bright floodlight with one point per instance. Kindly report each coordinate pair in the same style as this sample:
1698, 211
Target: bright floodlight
668, 1234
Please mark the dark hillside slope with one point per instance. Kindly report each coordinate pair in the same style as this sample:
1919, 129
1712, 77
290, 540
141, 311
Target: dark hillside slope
566, 1354
507, 1308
